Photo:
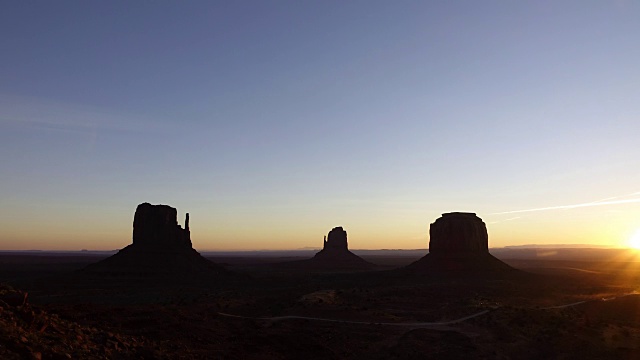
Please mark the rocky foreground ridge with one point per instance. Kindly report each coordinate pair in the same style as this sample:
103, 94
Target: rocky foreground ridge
27, 332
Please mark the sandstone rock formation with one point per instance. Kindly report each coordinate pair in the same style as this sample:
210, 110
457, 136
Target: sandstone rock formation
458, 242
156, 226
335, 256
337, 239
335, 252
458, 232
160, 247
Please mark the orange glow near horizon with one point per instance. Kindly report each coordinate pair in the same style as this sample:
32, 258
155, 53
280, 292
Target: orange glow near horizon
26, 228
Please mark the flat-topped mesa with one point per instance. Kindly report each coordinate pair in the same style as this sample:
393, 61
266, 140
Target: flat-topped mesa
458, 232
337, 239
156, 226
459, 246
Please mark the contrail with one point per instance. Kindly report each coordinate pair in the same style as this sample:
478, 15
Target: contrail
618, 197
509, 219
560, 207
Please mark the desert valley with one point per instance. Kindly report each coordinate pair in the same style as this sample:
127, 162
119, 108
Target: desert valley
159, 298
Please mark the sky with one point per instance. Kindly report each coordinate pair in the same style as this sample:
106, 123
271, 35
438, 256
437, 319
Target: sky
272, 122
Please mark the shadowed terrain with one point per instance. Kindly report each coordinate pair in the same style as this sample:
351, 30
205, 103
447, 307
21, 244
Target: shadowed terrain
159, 299
184, 320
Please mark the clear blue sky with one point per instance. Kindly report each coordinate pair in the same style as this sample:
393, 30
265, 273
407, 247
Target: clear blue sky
273, 121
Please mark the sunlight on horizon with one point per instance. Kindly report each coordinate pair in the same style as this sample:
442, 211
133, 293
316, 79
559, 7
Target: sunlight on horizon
634, 240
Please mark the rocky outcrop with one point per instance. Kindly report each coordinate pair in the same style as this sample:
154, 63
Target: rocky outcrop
160, 247
334, 256
29, 332
12, 297
156, 226
458, 232
458, 242
337, 239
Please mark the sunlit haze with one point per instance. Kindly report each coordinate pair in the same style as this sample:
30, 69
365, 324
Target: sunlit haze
271, 122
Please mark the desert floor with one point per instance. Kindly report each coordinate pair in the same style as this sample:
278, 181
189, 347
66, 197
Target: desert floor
563, 304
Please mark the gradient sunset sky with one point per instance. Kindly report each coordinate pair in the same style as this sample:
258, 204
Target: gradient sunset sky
271, 122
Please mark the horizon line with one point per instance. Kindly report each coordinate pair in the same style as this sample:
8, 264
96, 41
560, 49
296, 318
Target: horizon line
524, 246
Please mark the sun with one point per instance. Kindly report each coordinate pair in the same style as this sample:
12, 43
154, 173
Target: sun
634, 240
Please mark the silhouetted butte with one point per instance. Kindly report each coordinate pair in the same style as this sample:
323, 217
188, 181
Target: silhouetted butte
334, 256
459, 242
160, 247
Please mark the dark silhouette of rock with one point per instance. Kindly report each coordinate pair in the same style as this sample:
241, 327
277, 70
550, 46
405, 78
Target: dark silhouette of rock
334, 256
160, 247
458, 232
335, 252
156, 226
337, 239
459, 242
